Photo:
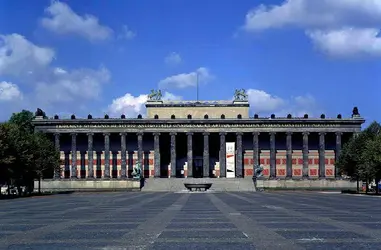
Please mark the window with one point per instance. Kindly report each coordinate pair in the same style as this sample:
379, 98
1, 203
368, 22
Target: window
222, 116
239, 116
156, 117
206, 116
173, 117
139, 116
189, 116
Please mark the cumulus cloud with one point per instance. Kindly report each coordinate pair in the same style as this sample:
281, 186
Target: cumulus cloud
131, 105
68, 86
20, 56
9, 91
61, 19
348, 41
48, 87
352, 25
264, 104
186, 80
173, 59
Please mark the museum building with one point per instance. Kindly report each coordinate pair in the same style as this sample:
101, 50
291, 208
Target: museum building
196, 139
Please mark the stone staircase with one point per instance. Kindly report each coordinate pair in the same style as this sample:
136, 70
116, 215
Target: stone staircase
219, 185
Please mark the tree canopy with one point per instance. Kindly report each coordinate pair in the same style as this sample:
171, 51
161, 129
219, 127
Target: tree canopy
360, 157
25, 155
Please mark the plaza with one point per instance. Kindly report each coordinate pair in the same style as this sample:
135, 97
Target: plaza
226, 220
200, 139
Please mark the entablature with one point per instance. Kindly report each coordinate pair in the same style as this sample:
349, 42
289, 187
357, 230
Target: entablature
184, 125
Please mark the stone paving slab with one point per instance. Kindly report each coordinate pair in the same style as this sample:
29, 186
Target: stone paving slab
276, 220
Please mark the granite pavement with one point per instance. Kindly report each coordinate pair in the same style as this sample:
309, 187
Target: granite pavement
122, 220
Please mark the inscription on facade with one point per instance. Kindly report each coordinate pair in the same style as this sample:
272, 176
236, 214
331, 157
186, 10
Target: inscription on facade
195, 126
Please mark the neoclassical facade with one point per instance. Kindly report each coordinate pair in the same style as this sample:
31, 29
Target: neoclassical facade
191, 139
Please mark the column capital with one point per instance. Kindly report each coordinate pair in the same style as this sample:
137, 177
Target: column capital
156, 133
73, 134
322, 133
106, 134
56, 134
339, 133
89, 133
172, 133
288, 133
223, 133
189, 133
306, 133
239, 133
123, 133
256, 133
139, 133
272, 133
206, 134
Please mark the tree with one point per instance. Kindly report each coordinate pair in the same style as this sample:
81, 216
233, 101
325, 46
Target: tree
358, 158
46, 157
25, 155
23, 119
372, 159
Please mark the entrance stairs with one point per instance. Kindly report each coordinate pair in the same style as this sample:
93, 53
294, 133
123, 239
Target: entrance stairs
219, 185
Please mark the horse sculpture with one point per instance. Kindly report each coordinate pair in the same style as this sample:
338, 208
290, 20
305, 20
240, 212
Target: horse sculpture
155, 95
240, 95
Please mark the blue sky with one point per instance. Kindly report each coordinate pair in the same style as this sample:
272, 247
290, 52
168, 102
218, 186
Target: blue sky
296, 56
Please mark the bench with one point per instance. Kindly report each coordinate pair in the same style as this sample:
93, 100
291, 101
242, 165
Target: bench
197, 186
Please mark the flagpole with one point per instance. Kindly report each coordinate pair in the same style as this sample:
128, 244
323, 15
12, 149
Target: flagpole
197, 85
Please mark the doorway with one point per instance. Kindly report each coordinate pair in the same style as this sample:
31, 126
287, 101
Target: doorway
198, 168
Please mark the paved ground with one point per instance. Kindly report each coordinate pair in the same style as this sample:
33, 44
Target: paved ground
278, 220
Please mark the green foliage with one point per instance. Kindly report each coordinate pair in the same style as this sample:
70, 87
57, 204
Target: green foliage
361, 155
25, 155
23, 119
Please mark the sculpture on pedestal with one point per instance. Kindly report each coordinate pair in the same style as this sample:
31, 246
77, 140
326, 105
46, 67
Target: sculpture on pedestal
137, 172
155, 95
240, 95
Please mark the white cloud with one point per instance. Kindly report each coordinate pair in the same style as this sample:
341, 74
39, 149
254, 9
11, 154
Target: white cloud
49, 88
264, 104
131, 106
352, 25
127, 33
9, 91
77, 85
19, 56
173, 59
185, 80
63, 20
348, 41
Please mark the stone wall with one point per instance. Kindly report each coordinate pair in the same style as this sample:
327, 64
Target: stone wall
198, 112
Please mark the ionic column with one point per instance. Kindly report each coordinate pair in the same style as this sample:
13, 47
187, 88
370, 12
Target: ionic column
289, 154
239, 161
173, 154
337, 155
123, 155
255, 149
206, 155
272, 155
107, 155
222, 155
322, 155
58, 149
305, 154
156, 145
140, 150
190, 154
73, 155
90, 156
